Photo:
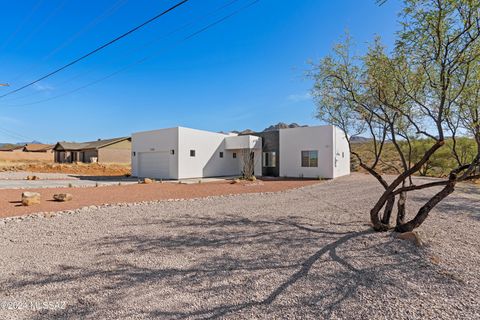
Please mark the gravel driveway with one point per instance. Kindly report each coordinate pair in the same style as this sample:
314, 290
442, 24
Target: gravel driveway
301, 254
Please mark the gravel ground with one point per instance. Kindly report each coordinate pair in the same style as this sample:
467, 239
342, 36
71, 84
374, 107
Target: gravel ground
301, 254
17, 180
10, 204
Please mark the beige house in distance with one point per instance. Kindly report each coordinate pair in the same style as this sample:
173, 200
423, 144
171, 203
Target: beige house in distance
116, 150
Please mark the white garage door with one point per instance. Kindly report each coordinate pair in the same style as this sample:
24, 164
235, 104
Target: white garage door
154, 165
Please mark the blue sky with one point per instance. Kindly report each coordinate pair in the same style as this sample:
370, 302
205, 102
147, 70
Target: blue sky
246, 72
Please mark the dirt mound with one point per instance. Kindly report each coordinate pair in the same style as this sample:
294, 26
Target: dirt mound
94, 169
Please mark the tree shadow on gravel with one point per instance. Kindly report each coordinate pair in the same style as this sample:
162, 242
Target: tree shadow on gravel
215, 267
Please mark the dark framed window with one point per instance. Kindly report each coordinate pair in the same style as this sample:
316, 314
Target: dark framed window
269, 159
192, 153
234, 155
221, 154
134, 153
310, 158
172, 151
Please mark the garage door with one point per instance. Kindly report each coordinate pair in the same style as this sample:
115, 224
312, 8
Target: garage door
154, 165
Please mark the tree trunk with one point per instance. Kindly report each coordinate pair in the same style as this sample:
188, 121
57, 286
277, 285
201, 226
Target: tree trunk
388, 210
374, 213
402, 201
425, 210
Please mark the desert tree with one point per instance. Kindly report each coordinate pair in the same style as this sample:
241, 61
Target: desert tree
247, 162
427, 87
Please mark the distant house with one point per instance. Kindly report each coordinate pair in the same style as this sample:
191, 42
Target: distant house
38, 147
12, 148
115, 150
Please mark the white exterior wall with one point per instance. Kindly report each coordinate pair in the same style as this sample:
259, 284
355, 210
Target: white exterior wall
207, 161
322, 139
342, 154
162, 140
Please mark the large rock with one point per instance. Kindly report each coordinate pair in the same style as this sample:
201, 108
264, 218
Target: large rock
148, 181
62, 197
30, 198
412, 236
33, 178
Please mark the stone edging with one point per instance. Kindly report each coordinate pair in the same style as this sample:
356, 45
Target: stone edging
51, 214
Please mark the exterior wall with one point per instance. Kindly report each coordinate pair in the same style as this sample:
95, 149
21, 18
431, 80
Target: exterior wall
342, 154
119, 152
295, 140
207, 161
162, 140
110, 155
270, 143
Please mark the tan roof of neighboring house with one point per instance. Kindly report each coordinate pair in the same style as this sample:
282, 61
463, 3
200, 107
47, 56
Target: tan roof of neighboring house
37, 147
97, 144
11, 148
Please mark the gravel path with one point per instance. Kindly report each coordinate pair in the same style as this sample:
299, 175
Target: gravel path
301, 254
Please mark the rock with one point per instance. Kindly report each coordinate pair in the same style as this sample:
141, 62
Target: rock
412, 236
62, 197
30, 198
33, 178
235, 181
147, 181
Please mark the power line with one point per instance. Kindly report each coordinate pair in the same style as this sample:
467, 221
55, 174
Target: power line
110, 10
148, 44
192, 35
99, 48
143, 46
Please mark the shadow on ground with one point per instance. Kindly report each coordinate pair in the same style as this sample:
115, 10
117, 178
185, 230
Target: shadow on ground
215, 267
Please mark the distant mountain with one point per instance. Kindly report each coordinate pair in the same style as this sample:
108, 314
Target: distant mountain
282, 125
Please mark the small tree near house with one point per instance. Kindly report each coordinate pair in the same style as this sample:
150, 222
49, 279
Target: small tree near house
427, 88
247, 160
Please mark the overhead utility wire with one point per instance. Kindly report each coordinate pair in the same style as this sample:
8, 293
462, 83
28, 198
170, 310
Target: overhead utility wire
34, 66
192, 35
148, 44
98, 49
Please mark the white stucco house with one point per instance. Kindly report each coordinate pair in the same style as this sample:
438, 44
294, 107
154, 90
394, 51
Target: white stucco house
182, 153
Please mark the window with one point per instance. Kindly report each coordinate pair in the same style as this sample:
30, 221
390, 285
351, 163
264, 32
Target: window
221, 154
234, 155
310, 158
192, 153
269, 159
134, 153
172, 151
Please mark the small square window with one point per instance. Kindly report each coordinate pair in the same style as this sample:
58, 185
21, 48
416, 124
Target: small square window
192, 153
234, 155
221, 154
309, 158
172, 151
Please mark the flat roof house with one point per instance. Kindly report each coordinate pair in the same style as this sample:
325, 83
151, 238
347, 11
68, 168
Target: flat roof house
181, 153
115, 150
